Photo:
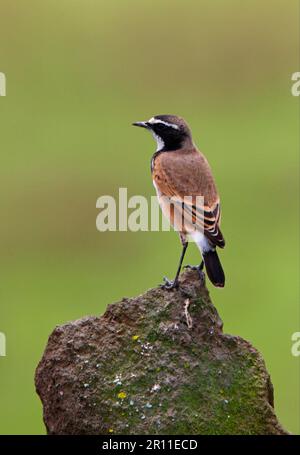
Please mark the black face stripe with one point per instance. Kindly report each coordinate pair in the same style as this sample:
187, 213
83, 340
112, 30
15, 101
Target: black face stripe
172, 138
164, 127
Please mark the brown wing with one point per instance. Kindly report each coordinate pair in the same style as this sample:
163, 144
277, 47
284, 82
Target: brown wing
185, 173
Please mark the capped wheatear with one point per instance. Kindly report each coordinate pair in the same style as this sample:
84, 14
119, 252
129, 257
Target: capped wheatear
182, 176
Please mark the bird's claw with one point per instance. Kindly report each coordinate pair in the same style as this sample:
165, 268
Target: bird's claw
170, 284
191, 267
199, 269
201, 276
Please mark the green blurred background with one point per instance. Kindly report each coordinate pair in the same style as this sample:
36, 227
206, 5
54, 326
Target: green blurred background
78, 73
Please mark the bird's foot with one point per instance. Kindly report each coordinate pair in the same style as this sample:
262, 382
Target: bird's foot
201, 276
191, 267
170, 284
199, 269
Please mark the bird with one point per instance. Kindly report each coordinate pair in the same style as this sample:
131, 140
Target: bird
182, 176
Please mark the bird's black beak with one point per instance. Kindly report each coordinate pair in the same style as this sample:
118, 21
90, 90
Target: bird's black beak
141, 124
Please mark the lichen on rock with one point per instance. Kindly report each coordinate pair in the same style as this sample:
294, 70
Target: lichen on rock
155, 364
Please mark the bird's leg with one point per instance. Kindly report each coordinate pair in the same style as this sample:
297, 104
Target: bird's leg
169, 284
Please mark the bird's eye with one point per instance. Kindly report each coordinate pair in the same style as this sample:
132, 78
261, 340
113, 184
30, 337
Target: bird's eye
163, 127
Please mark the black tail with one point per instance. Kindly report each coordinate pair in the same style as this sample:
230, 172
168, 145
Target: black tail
214, 268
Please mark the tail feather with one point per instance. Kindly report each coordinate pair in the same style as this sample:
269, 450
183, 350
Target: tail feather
214, 268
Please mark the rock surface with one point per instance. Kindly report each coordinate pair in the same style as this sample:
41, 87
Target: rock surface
155, 364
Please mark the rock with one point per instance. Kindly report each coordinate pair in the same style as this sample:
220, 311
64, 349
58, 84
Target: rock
155, 364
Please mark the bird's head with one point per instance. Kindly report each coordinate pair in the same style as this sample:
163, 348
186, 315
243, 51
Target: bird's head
169, 131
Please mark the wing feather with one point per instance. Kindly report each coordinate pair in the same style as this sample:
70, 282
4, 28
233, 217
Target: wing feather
184, 175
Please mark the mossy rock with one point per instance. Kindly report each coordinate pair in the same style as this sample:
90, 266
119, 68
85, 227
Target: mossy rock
155, 364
